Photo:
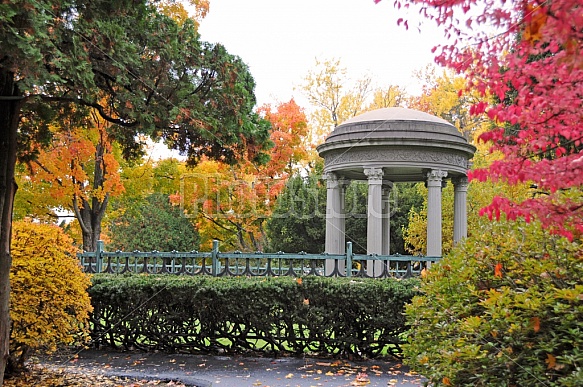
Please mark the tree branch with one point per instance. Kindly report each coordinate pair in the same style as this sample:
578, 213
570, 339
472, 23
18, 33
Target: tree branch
96, 106
78, 215
59, 181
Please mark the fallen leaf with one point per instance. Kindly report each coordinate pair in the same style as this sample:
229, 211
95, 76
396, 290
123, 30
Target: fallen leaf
361, 376
535, 324
551, 361
362, 379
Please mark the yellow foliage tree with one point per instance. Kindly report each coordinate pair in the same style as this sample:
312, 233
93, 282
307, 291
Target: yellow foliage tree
480, 194
392, 96
441, 97
334, 97
177, 10
49, 301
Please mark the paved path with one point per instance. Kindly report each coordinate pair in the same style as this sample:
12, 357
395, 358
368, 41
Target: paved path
235, 371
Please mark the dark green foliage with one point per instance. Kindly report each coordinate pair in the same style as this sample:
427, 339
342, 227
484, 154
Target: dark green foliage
298, 222
356, 199
154, 225
404, 196
505, 308
324, 316
138, 68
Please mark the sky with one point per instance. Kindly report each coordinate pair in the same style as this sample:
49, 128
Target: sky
280, 40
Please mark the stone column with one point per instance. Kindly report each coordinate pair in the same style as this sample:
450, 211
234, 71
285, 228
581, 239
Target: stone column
434, 180
374, 233
387, 187
335, 220
460, 211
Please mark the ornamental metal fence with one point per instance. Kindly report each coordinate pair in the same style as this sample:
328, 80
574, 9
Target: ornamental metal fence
219, 264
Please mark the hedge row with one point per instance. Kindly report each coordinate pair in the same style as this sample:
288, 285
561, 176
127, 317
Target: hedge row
323, 316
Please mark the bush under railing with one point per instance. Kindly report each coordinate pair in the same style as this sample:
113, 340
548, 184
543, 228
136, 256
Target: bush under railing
219, 264
306, 315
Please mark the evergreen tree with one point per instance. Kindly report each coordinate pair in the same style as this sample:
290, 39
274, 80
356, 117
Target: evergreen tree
154, 225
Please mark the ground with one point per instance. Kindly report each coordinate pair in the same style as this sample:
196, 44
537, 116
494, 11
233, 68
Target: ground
105, 368
40, 376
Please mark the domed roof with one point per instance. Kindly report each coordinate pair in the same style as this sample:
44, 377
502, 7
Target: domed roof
405, 143
395, 123
396, 114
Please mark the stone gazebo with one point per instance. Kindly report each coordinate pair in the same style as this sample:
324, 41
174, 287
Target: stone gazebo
394, 145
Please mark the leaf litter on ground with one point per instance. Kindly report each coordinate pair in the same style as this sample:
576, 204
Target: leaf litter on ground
39, 376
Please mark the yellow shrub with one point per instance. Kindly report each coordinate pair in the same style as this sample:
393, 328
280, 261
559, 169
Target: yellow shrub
49, 300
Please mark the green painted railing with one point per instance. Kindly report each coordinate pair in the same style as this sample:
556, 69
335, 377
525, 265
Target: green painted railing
219, 264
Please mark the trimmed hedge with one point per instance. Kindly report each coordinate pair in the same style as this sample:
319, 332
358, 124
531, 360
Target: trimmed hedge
324, 316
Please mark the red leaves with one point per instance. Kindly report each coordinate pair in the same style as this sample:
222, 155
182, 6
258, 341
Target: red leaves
538, 81
498, 270
494, 135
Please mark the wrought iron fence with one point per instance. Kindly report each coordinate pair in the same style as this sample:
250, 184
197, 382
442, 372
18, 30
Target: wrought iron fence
219, 264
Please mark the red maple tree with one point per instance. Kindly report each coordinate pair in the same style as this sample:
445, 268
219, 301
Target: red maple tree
528, 54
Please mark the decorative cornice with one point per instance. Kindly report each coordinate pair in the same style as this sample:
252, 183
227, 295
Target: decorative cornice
362, 156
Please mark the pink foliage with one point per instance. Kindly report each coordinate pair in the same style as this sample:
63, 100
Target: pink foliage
528, 53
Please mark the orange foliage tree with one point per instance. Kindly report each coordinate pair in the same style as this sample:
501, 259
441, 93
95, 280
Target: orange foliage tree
79, 173
288, 133
230, 203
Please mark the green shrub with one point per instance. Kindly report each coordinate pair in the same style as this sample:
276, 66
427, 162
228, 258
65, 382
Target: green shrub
505, 308
329, 316
49, 301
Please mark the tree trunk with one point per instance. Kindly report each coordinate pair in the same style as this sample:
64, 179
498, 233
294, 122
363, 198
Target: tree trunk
10, 105
90, 219
91, 215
